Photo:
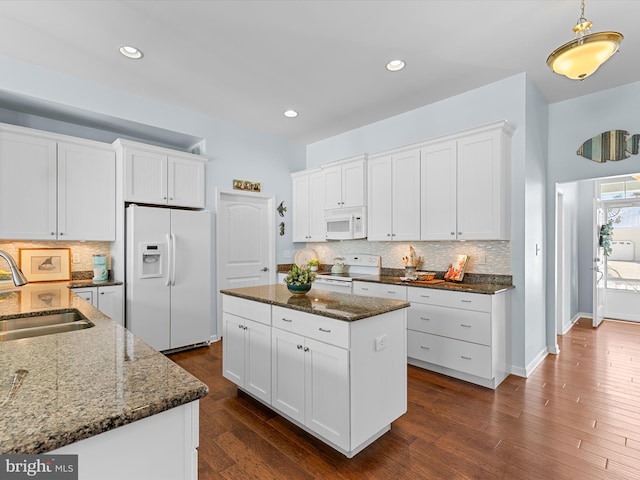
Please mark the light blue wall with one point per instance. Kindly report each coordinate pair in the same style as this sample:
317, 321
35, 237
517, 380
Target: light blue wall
504, 100
571, 123
234, 152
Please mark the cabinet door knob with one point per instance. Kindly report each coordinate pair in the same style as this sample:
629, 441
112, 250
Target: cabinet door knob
53, 233
453, 233
459, 233
306, 349
264, 269
61, 233
388, 234
299, 347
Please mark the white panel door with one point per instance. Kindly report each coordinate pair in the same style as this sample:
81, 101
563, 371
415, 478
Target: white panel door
148, 301
145, 177
406, 195
479, 187
27, 187
380, 199
438, 191
245, 242
186, 182
327, 391
287, 373
190, 258
86, 193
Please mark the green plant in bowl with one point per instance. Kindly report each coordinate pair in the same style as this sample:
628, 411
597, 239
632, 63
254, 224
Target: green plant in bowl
314, 263
299, 279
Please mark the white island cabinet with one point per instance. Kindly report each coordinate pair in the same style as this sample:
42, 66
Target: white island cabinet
337, 361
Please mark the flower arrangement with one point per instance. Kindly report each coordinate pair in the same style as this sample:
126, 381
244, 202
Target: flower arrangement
606, 231
300, 275
314, 263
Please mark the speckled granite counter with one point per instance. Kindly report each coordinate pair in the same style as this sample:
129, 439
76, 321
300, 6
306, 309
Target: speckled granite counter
486, 288
79, 384
328, 304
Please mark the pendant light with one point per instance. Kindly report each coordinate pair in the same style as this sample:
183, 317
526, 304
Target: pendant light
582, 56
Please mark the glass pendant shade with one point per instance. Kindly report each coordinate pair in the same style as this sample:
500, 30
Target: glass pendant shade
583, 56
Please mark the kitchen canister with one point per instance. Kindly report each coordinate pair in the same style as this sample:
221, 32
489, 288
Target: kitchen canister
100, 271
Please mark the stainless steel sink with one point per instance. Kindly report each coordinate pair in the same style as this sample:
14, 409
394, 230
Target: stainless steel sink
61, 321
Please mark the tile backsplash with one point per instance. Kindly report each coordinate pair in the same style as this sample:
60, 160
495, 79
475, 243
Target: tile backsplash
487, 257
82, 252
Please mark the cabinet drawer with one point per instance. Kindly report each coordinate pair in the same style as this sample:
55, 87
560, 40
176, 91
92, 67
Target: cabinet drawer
367, 289
467, 301
324, 329
455, 323
454, 354
259, 312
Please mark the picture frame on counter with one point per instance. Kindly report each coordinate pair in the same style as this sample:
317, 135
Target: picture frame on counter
45, 264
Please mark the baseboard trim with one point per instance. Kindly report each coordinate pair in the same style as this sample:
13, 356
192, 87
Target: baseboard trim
532, 365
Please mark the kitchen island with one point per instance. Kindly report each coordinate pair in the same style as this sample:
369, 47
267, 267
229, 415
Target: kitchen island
333, 364
98, 392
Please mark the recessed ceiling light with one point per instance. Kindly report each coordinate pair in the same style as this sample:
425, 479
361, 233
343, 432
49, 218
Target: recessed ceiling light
291, 113
395, 65
131, 52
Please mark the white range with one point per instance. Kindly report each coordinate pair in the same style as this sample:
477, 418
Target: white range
358, 266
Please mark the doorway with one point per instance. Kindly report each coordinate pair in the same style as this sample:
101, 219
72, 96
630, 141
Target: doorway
245, 241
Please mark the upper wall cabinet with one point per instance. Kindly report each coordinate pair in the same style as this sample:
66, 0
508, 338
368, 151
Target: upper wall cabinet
345, 183
394, 196
465, 182
159, 176
308, 203
54, 187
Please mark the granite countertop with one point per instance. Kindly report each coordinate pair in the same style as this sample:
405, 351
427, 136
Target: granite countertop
86, 283
79, 384
485, 288
340, 306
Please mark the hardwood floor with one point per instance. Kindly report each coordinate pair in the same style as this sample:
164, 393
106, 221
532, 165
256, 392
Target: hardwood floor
576, 417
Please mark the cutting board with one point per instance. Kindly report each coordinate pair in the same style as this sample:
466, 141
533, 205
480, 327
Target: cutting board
430, 282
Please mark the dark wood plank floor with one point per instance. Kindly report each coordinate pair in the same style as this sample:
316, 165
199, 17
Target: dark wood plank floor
576, 417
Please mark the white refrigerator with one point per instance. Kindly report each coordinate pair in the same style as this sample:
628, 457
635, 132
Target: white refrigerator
168, 276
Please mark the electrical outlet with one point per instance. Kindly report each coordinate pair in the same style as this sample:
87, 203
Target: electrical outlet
75, 258
381, 343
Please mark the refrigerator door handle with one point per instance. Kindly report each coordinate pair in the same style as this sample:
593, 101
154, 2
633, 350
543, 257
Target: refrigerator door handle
169, 252
173, 259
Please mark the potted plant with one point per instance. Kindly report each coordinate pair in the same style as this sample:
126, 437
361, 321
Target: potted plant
299, 279
314, 263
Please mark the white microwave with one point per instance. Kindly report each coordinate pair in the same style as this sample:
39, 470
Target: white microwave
346, 223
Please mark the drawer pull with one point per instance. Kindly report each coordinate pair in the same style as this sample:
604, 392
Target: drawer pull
465, 326
424, 296
306, 349
466, 301
391, 291
324, 330
364, 288
288, 320
425, 318
465, 358
425, 348
299, 347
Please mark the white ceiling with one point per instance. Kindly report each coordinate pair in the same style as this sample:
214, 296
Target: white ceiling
247, 61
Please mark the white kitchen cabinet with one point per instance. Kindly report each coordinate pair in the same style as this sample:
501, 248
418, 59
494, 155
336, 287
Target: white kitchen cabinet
308, 202
247, 353
159, 176
394, 196
345, 183
382, 290
311, 385
463, 335
109, 299
465, 185
52, 188
325, 375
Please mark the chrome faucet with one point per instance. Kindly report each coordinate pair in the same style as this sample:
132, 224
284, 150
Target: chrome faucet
16, 274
